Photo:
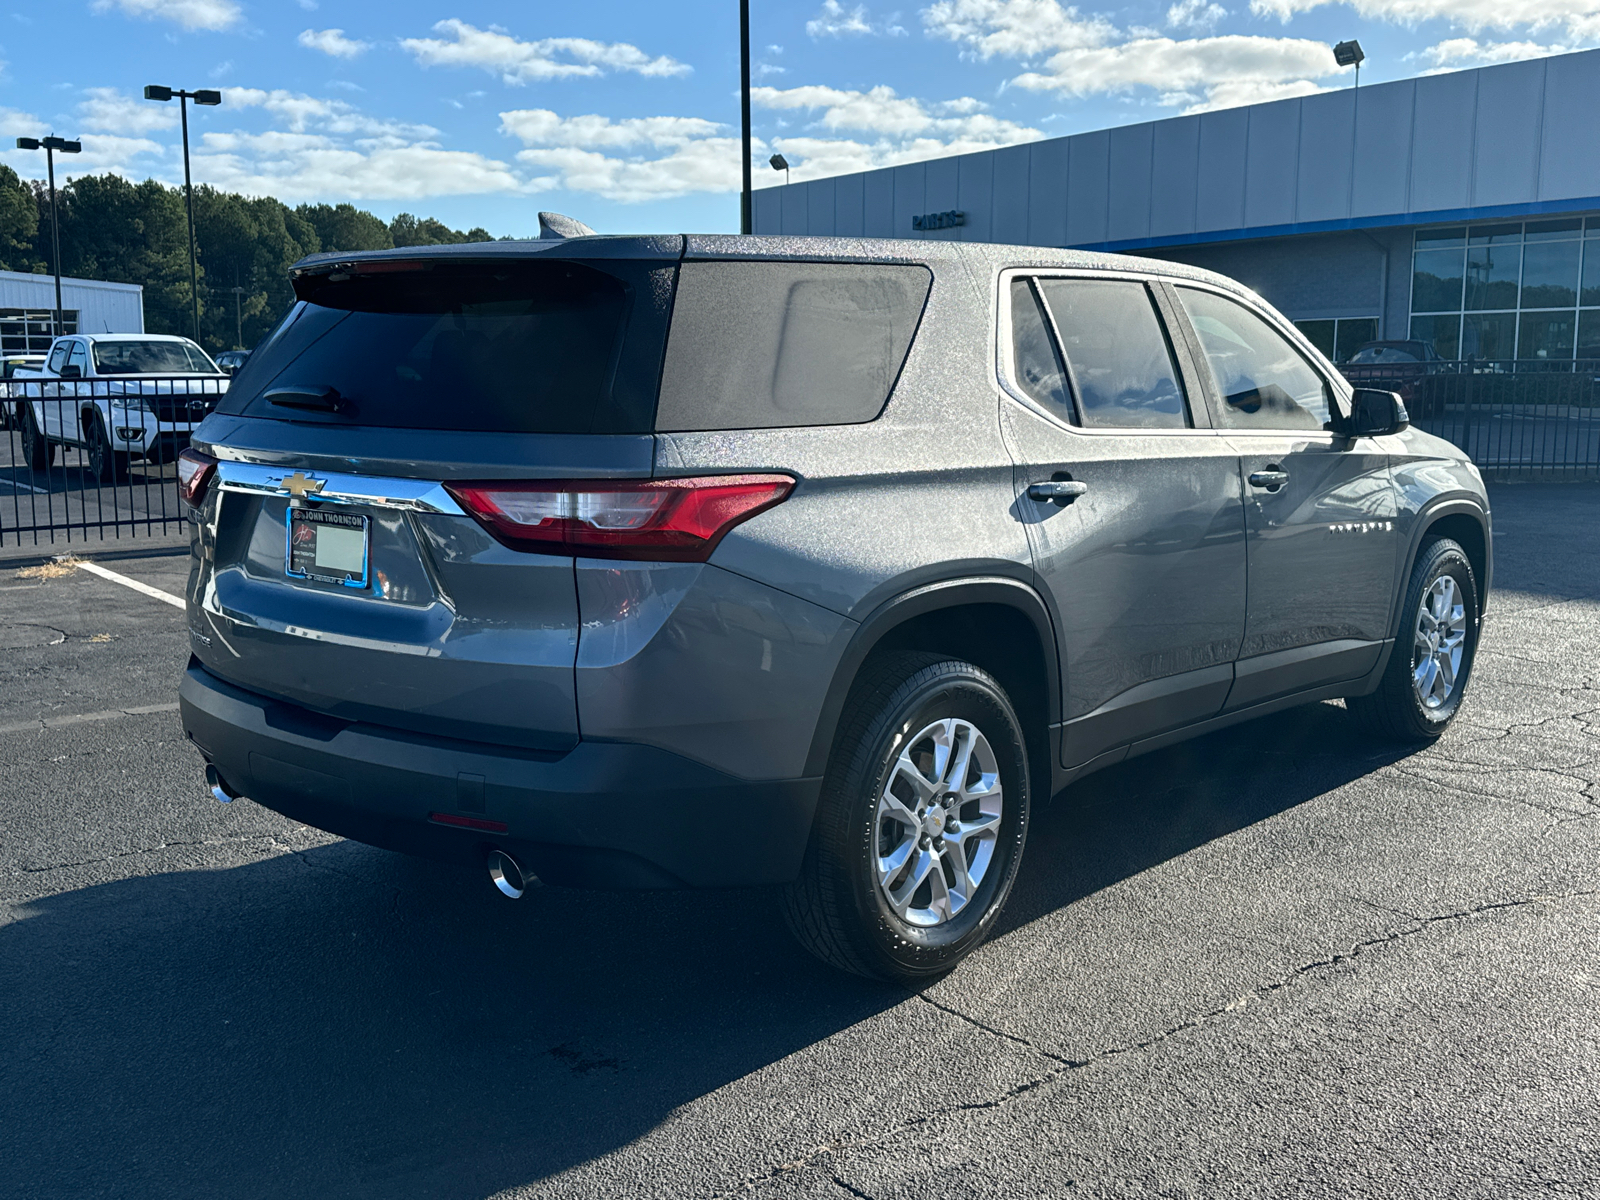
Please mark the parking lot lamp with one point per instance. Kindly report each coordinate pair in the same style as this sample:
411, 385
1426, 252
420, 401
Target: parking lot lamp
745, 221
780, 163
50, 145
1349, 54
207, 97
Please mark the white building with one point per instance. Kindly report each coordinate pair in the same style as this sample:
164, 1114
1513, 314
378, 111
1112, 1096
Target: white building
88, 306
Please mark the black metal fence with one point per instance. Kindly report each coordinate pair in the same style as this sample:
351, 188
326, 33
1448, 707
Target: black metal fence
88, 460
1519, 419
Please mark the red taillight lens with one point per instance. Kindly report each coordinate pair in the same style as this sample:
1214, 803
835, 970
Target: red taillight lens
194, 474
677, 520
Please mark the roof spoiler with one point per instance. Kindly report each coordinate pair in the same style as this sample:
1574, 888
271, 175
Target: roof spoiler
555, 227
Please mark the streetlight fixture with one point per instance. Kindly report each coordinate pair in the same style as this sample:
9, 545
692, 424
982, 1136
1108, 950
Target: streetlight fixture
207, 97
50, 145
780, 163
1350, 54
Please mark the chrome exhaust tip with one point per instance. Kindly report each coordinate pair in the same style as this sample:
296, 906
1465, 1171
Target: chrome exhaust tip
220, 791
506, 873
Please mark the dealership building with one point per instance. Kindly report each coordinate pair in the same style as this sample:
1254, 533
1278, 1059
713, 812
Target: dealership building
87, 306
1462, 209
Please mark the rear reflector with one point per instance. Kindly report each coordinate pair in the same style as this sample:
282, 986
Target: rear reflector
469, 822
677, 520
194, 473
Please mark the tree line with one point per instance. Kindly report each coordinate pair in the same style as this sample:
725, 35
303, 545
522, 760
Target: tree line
125, 232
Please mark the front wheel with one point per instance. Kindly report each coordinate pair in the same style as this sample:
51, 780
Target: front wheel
105, 464
921, 824
1428, 669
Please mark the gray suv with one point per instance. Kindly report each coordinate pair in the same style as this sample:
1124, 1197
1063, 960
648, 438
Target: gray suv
649, 562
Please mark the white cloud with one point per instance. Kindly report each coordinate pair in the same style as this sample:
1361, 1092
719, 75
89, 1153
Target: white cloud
108, 111
1021, 29
300, 111
1453, 54
1195, 14
1089, 56
516, 62
880, 111
296, 169
333, 42
190, 14
835, 20
1580, 18
541, 127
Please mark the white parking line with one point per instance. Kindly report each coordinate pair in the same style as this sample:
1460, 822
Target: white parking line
153, 593
17, 483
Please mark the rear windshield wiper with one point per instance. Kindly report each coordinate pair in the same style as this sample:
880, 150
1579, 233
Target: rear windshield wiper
314, 399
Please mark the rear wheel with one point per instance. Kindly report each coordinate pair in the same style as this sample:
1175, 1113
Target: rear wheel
921, 824
38, 450
1431, 661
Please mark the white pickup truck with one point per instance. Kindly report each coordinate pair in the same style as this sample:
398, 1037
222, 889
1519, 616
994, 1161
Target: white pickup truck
120, 396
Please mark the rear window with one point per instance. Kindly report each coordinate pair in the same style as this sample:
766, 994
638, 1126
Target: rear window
1370, 354
763, 345
521, 347
150, 358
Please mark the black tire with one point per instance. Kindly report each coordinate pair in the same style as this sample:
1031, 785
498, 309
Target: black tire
105, 464
1396, 711
38, 450
836, 908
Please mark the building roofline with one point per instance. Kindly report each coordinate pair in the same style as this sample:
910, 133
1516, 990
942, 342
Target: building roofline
69, 281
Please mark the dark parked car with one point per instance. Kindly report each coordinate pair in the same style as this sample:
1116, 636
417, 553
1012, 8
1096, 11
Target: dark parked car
648, 562
231, 360
1408, 368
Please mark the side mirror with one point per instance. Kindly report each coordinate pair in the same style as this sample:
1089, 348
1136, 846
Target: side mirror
72, 371
1375, 413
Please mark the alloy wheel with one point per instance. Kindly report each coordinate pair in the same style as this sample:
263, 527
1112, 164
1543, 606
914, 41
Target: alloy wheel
938, 818
1441, 638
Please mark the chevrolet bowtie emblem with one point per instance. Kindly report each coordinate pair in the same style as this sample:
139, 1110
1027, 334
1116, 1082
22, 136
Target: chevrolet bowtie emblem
301, 485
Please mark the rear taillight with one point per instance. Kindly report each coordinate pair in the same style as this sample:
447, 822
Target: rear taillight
194, 475
677, 520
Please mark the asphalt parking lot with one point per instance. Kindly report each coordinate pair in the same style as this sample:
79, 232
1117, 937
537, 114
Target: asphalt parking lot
1277, 961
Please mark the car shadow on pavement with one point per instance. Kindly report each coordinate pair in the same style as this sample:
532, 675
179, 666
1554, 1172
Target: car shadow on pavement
341, 1021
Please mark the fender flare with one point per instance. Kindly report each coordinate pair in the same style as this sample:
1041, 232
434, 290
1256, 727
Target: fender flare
915, 602
1427, 517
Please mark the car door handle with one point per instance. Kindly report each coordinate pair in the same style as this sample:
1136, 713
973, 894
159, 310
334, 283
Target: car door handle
1061, 491
1272, 479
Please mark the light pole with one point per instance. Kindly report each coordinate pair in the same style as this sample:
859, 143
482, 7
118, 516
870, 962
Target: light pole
50, 145
238, 316
207, 97
744, 112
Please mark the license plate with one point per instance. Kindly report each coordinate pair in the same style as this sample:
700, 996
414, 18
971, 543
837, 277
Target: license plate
328, 546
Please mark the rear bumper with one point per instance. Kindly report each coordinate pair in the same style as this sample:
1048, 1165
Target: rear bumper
611, 815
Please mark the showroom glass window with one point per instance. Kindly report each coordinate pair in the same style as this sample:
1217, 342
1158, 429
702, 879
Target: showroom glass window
1509, 290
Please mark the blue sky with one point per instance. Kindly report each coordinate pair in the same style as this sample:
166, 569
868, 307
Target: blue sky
625, 113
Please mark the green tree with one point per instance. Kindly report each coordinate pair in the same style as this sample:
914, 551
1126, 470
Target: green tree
408, 230
345, 227
19, 224
248, 244
129, 233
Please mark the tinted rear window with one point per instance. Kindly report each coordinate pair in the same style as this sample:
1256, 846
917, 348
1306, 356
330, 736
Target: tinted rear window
762, 345
520, 347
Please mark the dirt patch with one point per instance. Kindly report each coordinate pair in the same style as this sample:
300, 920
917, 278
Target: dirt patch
65, 565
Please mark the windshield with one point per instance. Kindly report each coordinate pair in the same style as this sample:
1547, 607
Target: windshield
151, 358
1384, 354
505, 347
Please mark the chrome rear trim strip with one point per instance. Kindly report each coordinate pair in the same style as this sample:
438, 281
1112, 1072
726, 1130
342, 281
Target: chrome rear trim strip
419, 495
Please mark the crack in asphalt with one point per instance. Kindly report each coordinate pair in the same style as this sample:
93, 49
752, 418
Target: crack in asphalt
1067, 1066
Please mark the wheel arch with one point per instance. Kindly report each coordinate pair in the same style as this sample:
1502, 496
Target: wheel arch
996, 623
1464, 521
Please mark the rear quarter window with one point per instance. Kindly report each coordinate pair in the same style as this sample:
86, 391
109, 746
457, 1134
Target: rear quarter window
765, 345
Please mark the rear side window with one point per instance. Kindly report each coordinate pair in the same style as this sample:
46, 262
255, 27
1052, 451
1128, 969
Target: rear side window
506, 347
763, 345
1118, 360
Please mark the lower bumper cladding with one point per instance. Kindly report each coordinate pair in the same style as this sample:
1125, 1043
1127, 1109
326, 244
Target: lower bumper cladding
609, 815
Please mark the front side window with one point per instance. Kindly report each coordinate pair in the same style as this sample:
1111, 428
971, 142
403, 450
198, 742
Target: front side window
1263, 382
58, 357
